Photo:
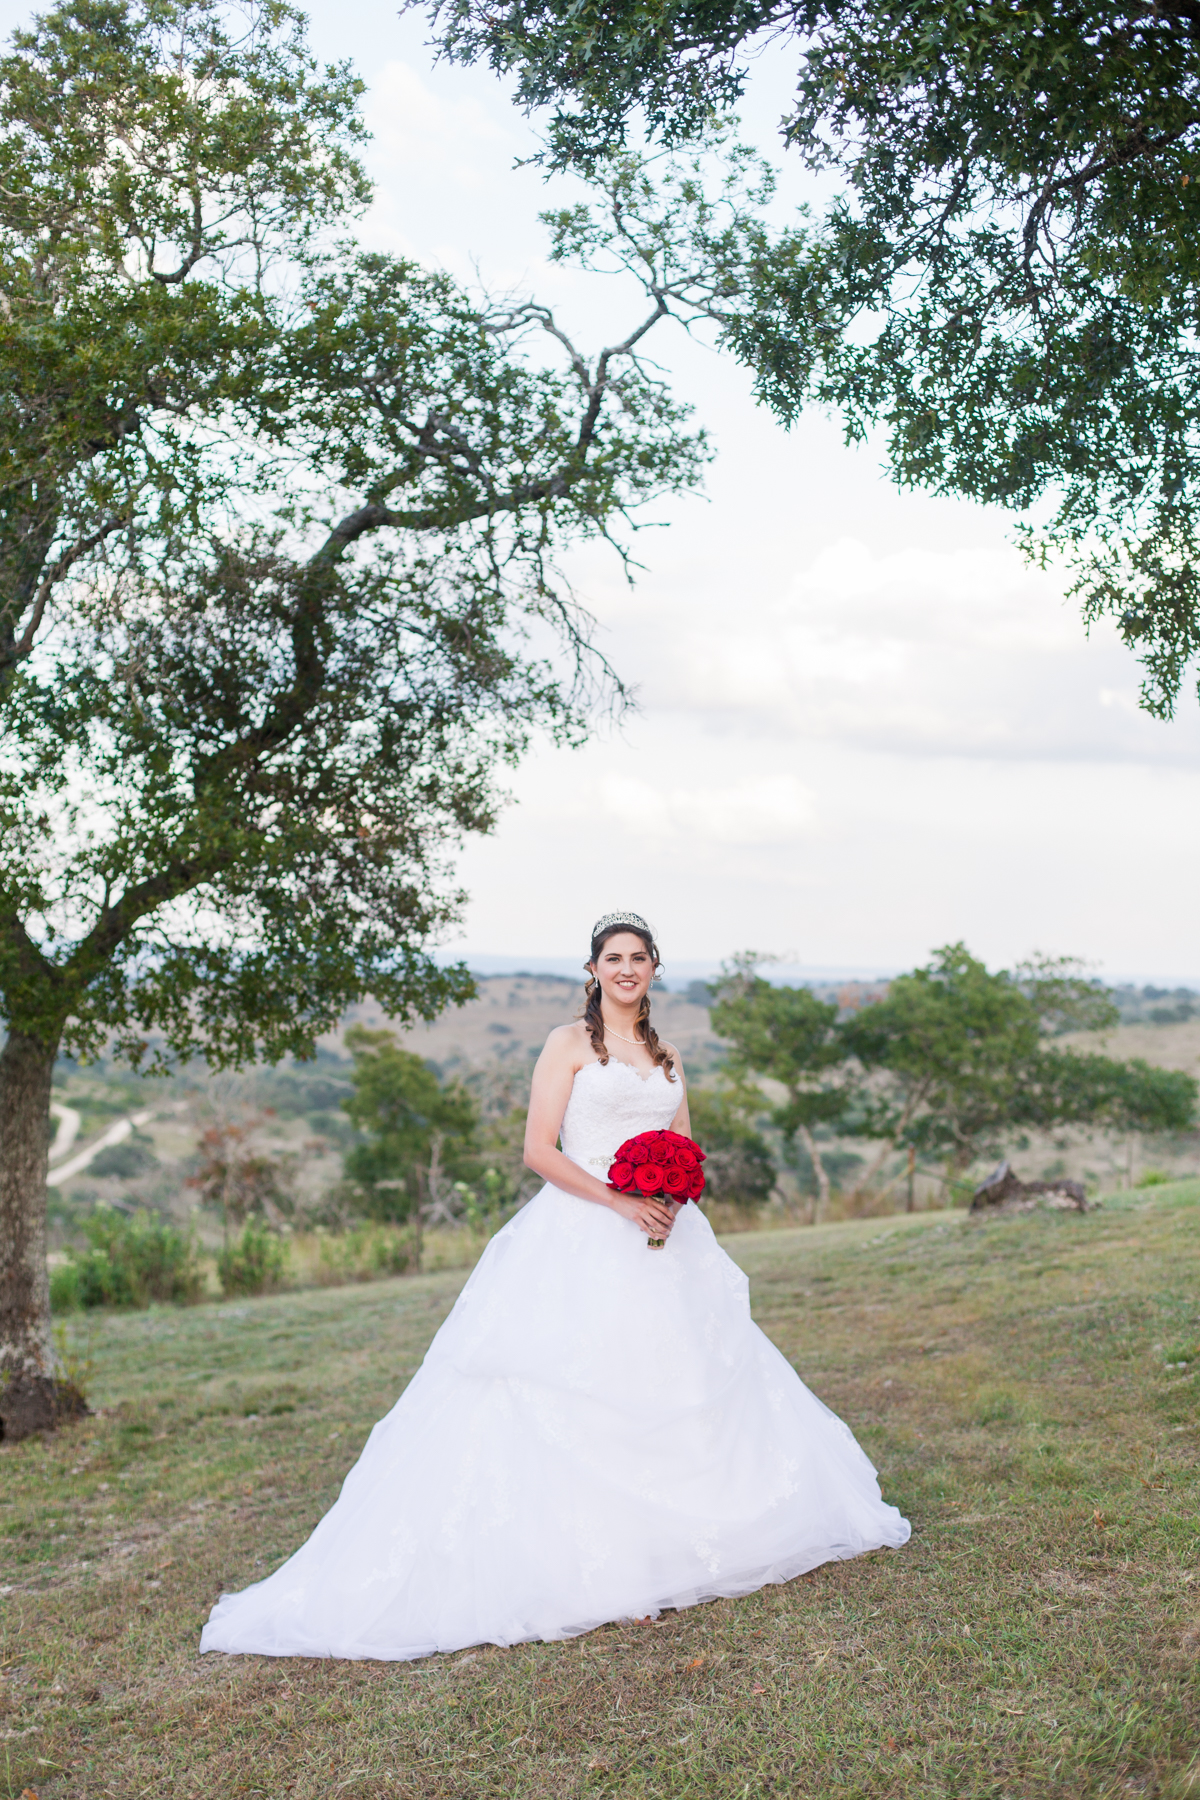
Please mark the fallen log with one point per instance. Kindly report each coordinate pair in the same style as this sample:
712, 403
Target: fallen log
1004, 1191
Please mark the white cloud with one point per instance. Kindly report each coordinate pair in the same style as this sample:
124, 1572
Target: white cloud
964, 652
760, 810
445, 183
415, 129
868, 726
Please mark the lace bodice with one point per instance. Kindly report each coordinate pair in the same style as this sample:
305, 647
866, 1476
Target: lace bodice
611, 1102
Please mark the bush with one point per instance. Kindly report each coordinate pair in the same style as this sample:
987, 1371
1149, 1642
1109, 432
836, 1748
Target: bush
255, 1263
126, 1160
129, 1262
74, 1363
1155, 1178
740, 1170
366, 1253
64, 1288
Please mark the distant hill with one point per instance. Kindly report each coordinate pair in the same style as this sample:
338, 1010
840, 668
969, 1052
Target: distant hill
510, 1020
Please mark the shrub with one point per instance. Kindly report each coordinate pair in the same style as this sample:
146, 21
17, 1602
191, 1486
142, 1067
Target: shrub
75, 1362
365, 1253
255, 1263
64, 1288
128, 1262
740, 1169
125, 1160
1154, 1178
235, 1178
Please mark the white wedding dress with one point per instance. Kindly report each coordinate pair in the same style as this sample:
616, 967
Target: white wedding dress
598, 1431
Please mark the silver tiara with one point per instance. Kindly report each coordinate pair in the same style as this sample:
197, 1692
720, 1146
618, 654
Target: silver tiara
608, 919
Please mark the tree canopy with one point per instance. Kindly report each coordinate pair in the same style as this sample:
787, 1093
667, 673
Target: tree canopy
971, 1059
414, 1128
277, 522
785, 1035
1006, 280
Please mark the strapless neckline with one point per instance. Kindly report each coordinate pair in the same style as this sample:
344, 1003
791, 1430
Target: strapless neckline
622, 1064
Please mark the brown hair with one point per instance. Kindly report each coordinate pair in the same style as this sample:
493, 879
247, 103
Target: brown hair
593, 1018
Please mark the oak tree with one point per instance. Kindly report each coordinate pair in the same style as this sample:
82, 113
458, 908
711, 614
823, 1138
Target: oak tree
279, 523
969, 1058
1005, 282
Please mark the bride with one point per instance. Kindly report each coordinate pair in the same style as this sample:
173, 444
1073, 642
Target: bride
596, 1433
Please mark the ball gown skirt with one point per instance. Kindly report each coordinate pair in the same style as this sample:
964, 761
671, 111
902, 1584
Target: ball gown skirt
598, 1431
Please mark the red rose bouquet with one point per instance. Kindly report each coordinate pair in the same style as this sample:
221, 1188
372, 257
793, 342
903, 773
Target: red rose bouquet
658, 1165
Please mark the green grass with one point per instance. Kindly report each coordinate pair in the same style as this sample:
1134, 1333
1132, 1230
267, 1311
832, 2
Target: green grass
1039, 1636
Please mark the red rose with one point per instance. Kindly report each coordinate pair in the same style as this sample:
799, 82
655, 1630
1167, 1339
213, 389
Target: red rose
649, 1178
696, 1185
660, 1152
686, 1157
675, 1181
621, 1175
634, 1153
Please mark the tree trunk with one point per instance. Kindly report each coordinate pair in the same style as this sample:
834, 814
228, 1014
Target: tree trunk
32, 1397
819, 1170
862, 1186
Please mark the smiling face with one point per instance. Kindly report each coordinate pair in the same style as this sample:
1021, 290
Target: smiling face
624, 968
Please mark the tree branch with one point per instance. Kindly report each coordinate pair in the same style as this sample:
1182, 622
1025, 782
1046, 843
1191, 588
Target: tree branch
24, 645
1128, 150
115, 922
30, 960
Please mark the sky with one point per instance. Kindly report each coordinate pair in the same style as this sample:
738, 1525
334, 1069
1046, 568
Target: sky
865, 727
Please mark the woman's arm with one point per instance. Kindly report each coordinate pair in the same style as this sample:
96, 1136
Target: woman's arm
553, 1076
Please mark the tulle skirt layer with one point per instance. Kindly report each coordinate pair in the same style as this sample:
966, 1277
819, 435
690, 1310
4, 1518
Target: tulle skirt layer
598, 1431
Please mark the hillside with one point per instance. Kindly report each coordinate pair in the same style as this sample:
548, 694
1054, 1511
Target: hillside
513, 1015
498, 1034
1026, 1386
130, 1142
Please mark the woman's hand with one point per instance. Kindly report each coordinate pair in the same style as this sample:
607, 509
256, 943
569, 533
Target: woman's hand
654, 1217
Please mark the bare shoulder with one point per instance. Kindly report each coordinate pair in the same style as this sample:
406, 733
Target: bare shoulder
568, 1044
675, 1057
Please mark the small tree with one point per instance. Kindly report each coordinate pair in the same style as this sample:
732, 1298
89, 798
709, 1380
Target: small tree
785, 1034
421, 1136
278, 529
739, 1170
969, 1059
237, 1178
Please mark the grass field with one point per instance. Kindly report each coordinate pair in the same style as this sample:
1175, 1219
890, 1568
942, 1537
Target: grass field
1027, 1386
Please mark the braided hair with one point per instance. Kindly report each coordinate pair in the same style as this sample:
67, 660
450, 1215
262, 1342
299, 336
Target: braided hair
593, 1017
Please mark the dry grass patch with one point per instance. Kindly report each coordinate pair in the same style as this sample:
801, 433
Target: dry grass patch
1018, 1382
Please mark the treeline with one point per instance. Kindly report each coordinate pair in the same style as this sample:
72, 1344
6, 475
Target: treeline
951, 1064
